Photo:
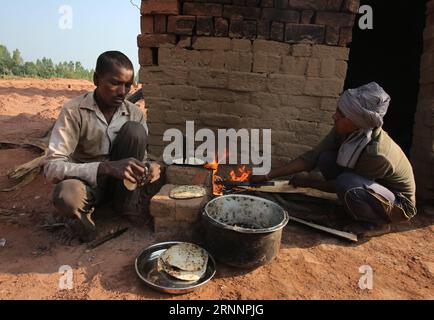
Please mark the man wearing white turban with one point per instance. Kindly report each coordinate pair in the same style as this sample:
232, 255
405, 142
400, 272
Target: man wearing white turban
360, 162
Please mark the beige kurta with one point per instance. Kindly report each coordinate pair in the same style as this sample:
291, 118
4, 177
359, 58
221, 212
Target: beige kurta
82, 139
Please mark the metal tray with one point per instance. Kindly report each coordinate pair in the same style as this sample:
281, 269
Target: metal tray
146, 269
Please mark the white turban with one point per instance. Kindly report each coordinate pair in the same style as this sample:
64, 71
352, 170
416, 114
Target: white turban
365, 106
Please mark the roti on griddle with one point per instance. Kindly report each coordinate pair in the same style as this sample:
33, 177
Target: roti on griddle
187, 192
184, 261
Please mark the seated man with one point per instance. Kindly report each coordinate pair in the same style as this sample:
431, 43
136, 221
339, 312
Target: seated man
98, 141
361, 163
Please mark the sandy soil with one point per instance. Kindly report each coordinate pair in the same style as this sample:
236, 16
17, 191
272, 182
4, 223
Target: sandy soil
310, 265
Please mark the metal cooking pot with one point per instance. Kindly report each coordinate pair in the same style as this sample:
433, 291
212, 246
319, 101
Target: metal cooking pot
243, 231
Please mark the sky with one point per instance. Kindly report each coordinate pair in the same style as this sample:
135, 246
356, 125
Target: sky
70, 30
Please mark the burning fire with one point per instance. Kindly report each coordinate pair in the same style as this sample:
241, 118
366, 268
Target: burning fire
244, 174
240, 175
217, 187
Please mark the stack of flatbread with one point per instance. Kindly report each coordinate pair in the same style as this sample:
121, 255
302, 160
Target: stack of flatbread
185, 261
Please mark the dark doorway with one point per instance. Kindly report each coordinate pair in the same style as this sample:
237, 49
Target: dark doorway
390, 55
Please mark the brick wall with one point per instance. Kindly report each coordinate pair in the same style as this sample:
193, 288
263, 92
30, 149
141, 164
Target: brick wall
423, 142
245, 64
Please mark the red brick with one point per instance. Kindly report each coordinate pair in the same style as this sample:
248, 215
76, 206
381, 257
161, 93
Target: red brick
299, 32
351, 6
306, 16
169, 7
249, 29
147, 24
281, 4
160, 24
252, 3
345, 37
245, 12
334, 5
277, 31
181, 25
335, 19
239, 2
203, 9
287, 16
205, 26
236, 28
264, 29
332, 36
221, 27
155, 40
145, 57
267, 3
308, 4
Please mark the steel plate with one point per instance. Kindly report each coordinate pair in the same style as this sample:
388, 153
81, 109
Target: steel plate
146, 269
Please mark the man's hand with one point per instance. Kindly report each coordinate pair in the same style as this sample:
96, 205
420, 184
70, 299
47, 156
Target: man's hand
128, 169
154, 172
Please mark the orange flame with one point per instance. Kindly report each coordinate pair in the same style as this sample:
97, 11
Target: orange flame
217, 187
244, 174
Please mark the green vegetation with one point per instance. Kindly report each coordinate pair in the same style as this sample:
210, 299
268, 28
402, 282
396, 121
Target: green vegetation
13, 65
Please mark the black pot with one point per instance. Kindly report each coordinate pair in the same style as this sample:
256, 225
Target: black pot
243, 231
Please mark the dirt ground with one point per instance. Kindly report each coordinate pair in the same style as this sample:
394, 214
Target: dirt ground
310, 265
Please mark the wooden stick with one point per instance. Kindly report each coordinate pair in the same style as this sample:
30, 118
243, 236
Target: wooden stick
104, 239
342, 234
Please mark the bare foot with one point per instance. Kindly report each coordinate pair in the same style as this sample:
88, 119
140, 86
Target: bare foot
376, 231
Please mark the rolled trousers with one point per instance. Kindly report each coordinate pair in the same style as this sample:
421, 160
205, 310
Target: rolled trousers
75, 198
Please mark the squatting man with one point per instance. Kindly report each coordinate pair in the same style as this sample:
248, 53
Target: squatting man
361, 163
98, 141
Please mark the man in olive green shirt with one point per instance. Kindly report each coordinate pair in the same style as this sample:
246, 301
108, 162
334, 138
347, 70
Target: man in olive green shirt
361, 163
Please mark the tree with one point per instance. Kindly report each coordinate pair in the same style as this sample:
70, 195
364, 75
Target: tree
44, 68
5, 61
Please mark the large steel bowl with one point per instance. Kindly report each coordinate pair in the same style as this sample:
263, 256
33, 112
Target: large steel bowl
243, 231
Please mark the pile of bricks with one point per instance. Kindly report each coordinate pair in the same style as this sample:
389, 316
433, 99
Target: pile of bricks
317, 21
423, 140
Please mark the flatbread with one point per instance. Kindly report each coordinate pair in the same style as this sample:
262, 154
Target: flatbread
187, 192
185, 261
185, 256
180, 274
129, 185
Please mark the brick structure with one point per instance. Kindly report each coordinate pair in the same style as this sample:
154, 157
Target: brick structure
179, 217
245, 64
423, 142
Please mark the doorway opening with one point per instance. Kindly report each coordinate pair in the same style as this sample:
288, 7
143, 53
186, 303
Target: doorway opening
390, 54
